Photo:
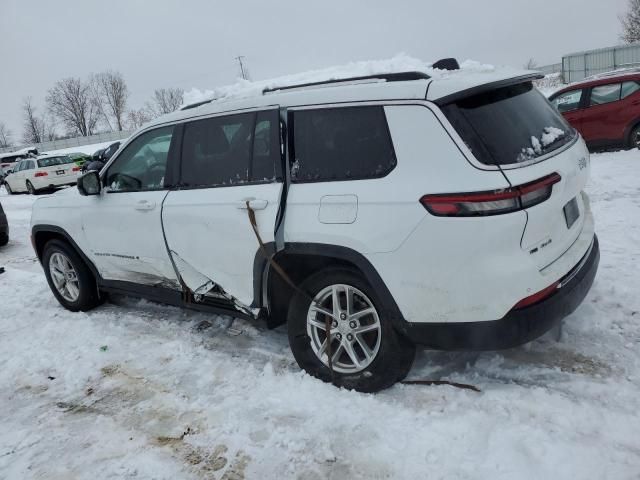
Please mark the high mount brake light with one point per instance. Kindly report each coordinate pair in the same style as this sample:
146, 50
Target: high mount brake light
494, 202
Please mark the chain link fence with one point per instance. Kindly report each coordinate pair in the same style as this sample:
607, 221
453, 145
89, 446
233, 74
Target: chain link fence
578, 66
72, 142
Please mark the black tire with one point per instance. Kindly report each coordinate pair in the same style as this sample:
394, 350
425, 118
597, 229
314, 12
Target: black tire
8, 188
4, 239
30, 189
395, 354
88, 297
634, 137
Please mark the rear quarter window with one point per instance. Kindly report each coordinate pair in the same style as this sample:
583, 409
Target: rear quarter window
336, 144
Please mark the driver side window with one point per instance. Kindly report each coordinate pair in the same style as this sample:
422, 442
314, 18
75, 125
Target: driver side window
142, 164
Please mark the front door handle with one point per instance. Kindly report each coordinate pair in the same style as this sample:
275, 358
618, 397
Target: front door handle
145, 205
254, 203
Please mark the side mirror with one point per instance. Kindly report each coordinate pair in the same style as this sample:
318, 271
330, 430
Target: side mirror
89, 183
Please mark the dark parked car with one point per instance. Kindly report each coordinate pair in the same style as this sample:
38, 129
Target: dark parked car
4, 228
79, 158
605, 109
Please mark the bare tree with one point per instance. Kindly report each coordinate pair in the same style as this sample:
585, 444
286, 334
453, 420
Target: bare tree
631, 22
110, 95
137, 118
34, 126
531, 64
5, 136
72, 102
165, 100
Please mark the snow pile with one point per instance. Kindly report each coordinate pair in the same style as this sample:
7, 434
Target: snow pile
548, 137
550, 84
399, 63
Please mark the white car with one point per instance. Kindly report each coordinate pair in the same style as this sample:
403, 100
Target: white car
403, 210
45, 171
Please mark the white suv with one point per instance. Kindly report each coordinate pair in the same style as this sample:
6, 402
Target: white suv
46, 171
447, 212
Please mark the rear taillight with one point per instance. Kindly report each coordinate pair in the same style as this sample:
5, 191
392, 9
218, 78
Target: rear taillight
537, 297
76, 169
491, 203
41, 174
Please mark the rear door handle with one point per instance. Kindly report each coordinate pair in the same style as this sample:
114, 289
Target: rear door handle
145, 205
255, 204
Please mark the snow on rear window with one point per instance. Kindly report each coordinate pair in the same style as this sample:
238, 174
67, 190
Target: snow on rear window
509, 125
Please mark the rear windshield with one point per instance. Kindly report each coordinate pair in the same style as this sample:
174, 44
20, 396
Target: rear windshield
50, 162
509, 125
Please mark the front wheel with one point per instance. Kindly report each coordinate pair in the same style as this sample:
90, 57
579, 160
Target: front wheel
69, 278
634, 139
367, 354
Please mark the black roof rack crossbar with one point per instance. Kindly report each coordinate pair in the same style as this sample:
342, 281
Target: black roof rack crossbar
388, 77
197, 104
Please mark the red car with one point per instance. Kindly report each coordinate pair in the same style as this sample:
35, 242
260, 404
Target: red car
604, 109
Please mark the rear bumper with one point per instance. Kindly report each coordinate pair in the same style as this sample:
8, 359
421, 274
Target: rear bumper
518, 326
43, 182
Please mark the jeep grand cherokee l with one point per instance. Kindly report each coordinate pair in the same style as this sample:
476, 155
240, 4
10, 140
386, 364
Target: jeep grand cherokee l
403, 209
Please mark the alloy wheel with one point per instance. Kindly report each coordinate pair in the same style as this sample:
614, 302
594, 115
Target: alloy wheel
64, 277
355, 328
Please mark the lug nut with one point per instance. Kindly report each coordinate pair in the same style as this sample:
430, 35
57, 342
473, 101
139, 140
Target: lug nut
334, 324
352, 324
338, 336
343, 316
349, 337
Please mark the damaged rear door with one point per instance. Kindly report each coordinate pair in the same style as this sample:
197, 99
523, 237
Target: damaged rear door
226, 161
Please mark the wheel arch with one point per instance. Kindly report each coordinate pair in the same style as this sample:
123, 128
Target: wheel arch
41, 234
300, 260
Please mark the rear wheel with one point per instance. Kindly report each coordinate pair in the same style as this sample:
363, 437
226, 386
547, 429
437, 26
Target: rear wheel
69, 278
4, 239
367, 354
30, 188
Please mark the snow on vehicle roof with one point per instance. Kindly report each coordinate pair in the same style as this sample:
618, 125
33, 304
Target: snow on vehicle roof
250, 94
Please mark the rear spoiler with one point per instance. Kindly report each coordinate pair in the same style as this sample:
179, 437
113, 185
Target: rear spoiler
470, 92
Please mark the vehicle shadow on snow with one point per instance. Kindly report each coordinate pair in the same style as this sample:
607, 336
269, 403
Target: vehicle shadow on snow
535, 364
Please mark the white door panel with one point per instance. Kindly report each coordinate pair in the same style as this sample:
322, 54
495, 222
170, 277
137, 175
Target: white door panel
126, 241
210, 236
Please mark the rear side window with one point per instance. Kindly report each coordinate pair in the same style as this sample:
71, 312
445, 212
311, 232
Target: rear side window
605, 94
349, 143
509, 125
568, 101
231, 150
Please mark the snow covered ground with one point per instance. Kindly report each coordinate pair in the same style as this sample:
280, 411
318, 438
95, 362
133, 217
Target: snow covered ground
139, 390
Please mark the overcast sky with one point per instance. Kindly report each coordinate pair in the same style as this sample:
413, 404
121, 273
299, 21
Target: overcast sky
192, 43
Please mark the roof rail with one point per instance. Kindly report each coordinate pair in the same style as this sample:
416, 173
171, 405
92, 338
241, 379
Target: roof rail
387, 77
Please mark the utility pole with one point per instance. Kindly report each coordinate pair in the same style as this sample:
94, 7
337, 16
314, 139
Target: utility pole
243, 70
